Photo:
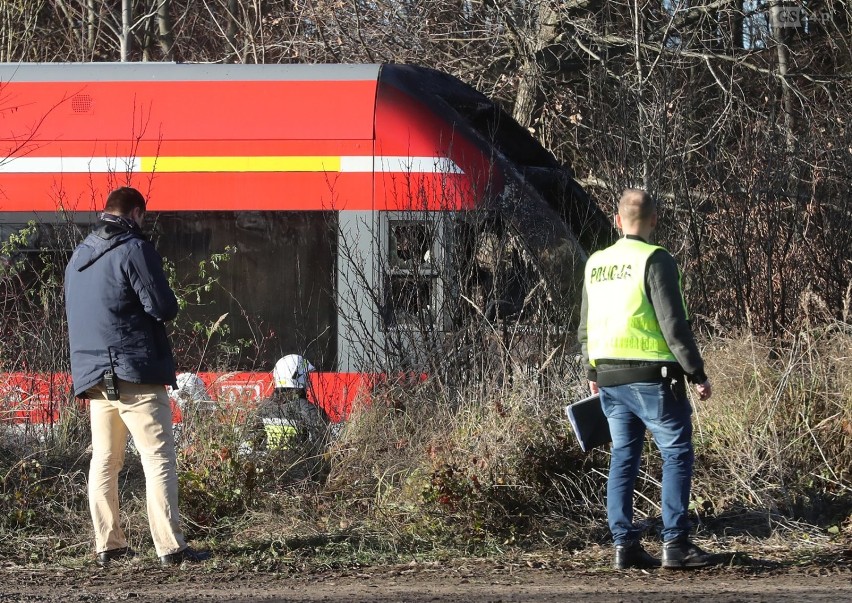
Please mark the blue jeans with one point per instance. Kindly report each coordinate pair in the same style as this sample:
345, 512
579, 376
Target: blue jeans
629, 409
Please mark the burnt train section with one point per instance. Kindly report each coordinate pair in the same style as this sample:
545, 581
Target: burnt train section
536, 222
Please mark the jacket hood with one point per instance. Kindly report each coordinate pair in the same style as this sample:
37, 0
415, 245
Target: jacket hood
106, 237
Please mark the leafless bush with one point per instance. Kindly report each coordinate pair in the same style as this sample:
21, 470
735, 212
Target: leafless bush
780, 422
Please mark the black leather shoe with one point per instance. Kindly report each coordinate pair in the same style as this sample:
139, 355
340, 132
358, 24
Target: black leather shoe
189, 555
124, 553
633, 555
683, 554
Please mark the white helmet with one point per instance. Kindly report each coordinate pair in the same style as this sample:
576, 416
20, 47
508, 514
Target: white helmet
189, 387
292, 372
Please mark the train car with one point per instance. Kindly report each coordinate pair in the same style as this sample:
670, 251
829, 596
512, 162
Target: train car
317, 208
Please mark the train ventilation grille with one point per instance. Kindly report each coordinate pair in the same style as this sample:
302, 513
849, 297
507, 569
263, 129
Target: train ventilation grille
81, 103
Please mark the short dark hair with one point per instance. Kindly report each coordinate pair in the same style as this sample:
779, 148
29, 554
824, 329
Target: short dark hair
636, 205
124, 200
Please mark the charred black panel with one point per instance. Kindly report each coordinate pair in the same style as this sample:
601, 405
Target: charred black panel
467, 108
533, 194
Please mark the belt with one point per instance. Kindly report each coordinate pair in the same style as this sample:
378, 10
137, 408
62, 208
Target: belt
608, 377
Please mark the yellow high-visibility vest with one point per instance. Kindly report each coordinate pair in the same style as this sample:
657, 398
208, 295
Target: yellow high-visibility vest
621, 323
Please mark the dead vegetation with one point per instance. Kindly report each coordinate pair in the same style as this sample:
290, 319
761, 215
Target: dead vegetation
417, 474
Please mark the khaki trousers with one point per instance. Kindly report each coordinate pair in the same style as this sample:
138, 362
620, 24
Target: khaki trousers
143, 411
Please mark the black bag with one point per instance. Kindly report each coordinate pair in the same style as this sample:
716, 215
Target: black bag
589, 422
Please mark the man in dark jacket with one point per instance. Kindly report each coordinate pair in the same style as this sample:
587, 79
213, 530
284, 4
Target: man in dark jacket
117, 301
639, 349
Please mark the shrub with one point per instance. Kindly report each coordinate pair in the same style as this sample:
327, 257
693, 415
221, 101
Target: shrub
778, 431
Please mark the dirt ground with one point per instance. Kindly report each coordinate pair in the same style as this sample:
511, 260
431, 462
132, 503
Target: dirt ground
738, 579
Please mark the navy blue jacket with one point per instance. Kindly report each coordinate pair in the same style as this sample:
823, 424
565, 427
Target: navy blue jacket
117, 298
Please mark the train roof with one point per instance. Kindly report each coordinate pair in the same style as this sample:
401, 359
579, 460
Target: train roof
139, 72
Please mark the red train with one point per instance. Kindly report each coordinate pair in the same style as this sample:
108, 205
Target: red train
338, 198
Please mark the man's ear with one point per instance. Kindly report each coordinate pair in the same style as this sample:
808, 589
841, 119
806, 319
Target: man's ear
137, 214
618, 222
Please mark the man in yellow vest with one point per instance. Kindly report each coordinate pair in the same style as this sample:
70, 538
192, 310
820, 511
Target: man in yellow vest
639, 351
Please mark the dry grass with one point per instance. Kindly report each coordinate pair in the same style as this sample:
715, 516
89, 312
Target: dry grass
434, 472
778, 432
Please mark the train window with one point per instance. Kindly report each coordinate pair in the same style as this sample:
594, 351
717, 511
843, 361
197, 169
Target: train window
26, 248
412, 284
34, 250
410, 244
273, 272
496, 274
409, 296
40, 234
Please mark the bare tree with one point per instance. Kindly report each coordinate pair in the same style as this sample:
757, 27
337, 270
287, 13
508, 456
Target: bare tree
126, 29
231, 33
164, 22
739, 126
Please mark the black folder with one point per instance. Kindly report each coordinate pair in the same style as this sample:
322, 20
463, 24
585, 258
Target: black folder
589, 422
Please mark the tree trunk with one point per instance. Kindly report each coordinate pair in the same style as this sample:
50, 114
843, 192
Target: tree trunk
91, 26
527, 100
164, 22
782, 52
231, 33
737, 31
644, 128
126, 21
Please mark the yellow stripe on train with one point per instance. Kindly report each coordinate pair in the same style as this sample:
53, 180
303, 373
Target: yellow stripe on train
240, 164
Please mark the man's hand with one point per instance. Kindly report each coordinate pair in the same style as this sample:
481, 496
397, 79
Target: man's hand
593, 387
704, 390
